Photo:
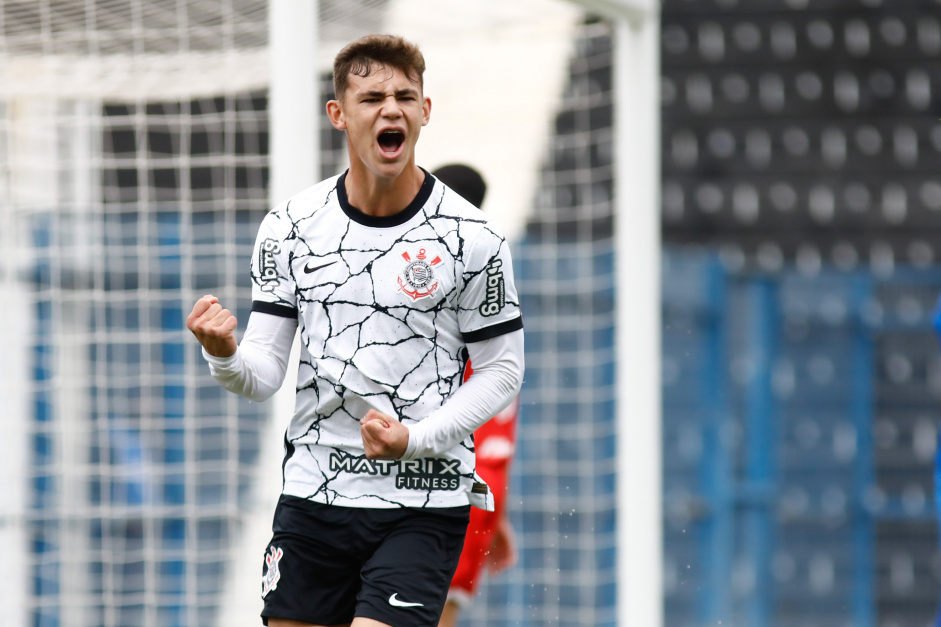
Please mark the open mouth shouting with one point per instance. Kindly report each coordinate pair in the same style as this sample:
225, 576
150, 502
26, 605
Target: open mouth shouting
391, 142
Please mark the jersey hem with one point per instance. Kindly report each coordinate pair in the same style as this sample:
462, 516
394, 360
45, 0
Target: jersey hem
387, 502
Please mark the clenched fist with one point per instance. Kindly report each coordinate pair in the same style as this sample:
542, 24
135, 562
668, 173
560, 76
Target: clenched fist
384, 437
213, 326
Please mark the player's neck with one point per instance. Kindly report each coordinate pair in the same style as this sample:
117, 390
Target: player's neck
381, 196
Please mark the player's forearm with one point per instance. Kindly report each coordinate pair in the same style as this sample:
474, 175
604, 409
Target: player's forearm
497, 378
256, 370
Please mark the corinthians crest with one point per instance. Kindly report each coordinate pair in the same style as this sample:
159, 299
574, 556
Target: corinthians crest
417, 278
273, 574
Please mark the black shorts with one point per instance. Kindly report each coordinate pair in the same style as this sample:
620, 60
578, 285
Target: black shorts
326, 564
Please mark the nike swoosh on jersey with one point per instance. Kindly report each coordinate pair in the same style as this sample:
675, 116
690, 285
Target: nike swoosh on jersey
393, 600
308, 269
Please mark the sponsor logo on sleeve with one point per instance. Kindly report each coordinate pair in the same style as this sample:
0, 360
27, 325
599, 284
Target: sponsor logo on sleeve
267, 268
495, 297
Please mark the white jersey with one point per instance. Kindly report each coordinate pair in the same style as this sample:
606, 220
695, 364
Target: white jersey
385, 307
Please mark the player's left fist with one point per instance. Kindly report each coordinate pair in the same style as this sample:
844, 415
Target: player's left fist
384, 437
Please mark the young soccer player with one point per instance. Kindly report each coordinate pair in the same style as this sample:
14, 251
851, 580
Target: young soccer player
392, 280
489, 539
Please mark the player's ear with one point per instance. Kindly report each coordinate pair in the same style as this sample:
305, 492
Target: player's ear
335, 113
425, 110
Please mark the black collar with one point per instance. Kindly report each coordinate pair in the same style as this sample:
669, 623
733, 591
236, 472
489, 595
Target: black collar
356, 215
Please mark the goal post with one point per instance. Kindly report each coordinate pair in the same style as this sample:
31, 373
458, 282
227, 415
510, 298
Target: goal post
637, 229
294, 162
636, 98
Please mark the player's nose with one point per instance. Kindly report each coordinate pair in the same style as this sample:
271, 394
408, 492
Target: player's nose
391, 108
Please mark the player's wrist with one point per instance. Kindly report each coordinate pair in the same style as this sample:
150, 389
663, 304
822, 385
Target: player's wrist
220, 361
411, 444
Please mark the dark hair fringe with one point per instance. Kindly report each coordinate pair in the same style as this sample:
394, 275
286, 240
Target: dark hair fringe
358, 58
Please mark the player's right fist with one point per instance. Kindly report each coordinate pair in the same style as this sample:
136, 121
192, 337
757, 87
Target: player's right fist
213, 326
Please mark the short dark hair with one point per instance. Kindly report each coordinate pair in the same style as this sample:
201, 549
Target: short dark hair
358, 57
465, 180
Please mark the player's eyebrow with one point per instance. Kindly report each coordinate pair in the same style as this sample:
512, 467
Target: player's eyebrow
375, 93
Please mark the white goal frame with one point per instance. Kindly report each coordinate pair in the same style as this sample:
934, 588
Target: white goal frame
636, 105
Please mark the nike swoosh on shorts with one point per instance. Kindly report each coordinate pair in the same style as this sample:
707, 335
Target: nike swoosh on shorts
393, 600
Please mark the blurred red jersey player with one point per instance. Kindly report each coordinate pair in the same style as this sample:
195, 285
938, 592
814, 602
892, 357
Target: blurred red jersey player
489, 541
489, 538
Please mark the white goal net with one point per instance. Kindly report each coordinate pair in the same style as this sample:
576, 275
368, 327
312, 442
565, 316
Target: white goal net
134, 171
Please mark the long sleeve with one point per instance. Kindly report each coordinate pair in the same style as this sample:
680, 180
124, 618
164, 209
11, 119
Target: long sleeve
498, 376
257, 369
